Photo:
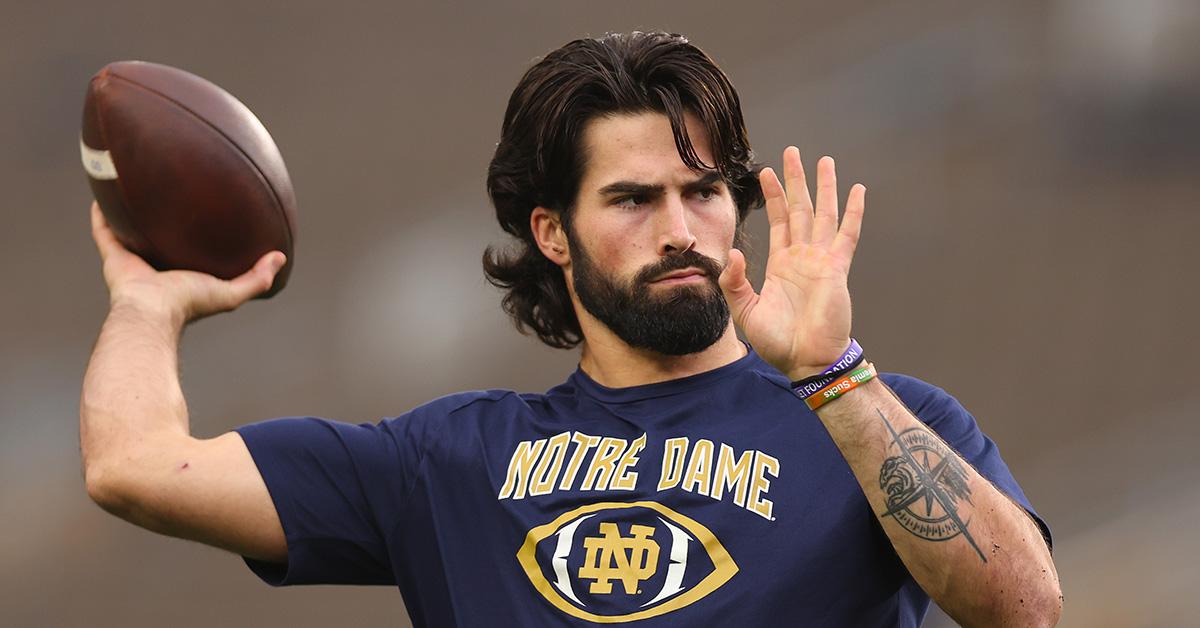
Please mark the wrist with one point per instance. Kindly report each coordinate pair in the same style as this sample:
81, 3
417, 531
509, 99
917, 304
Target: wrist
846, 373
801, 373
850, 358
149, 307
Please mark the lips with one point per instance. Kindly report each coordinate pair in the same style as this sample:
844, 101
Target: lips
678, 275
686, 268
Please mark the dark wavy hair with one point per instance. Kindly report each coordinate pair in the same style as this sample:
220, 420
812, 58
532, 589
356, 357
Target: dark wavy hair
539, 160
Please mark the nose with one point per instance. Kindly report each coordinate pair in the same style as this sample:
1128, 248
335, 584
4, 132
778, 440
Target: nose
674, 235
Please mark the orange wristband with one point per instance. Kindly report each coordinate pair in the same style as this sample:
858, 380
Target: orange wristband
852, 380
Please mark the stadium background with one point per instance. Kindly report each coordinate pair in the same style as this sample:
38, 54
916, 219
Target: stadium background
1029, 246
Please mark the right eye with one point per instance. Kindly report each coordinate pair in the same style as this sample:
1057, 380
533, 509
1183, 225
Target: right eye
632, 201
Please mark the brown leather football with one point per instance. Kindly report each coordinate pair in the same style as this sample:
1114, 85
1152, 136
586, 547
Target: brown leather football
185, 174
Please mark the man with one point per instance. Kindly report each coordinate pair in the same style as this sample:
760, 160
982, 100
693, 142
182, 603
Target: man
678, 477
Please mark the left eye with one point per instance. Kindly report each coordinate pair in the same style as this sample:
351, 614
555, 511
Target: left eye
706, 193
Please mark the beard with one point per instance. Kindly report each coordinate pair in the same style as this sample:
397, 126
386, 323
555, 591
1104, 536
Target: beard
674, 320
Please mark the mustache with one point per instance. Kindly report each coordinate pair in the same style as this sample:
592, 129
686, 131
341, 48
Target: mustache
679, 261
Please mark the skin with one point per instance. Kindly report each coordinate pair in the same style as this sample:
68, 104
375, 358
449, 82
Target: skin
799, 322
141, 463
627, 233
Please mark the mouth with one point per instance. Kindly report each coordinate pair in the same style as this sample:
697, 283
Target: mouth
684, 275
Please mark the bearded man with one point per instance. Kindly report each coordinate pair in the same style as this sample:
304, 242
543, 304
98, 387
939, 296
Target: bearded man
679, 476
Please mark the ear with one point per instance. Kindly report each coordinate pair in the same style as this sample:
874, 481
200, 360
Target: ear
548, 232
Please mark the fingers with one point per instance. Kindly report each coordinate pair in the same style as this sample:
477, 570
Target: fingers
777, 209
739, 292
825, 221
800, 209
196, 294
106, 242
254, 281
847, 238
794, 219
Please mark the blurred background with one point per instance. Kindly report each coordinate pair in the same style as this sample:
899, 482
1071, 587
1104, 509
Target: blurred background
1029, 246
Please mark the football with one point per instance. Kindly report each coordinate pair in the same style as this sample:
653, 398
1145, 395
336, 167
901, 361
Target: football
185, 174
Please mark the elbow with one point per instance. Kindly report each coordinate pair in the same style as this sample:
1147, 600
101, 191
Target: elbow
129, 483
1028, 607
1043, 603
119, 478
1038, 607
1044, 608
104, 487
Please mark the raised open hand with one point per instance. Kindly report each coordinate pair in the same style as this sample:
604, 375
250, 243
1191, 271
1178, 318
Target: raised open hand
800, 322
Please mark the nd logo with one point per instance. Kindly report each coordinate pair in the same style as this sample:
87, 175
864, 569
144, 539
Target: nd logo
629, 559
627, 552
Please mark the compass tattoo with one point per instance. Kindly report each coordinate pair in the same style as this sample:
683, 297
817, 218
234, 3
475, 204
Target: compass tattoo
925, 484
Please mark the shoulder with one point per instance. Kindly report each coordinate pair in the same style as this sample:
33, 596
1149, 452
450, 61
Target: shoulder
456, 432
475, 401
469, 407
467, 402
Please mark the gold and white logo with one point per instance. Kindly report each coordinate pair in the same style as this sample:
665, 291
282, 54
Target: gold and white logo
614, 562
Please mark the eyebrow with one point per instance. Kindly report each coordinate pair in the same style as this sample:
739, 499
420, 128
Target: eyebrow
648, 189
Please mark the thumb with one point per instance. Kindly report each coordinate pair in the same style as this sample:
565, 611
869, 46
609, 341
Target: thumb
739, 293
256, 280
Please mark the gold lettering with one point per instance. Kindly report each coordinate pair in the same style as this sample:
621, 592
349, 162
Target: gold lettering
521, 467
604, 462
763, 465
625, 479
551, 463
732, 475
583, 443
699, 471
672, 462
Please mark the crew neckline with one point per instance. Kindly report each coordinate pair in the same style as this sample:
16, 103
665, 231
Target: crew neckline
598, 391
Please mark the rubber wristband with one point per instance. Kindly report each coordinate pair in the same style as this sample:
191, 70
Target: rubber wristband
806, 388
851, 358
843, 385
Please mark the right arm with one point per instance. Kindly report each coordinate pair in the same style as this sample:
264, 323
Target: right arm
140, 462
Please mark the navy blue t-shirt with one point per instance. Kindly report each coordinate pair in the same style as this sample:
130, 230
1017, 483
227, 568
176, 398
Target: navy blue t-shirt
717, 499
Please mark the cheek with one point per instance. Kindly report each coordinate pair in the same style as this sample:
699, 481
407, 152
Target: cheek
615, 247
716, 231
621, 236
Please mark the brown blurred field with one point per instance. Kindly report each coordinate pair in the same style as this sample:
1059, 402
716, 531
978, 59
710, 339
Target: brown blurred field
1029, 247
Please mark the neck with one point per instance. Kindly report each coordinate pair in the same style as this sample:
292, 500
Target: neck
612, 363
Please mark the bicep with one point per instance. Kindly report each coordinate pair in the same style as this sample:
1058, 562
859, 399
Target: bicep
208, 491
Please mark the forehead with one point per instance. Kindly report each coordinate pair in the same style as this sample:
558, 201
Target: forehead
638, 147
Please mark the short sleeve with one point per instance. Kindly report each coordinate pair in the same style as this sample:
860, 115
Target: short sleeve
946, 416
338, 489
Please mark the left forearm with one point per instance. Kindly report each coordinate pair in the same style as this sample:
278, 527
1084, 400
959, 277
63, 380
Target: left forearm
976, 553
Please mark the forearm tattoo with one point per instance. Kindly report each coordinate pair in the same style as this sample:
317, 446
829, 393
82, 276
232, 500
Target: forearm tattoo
925, 484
